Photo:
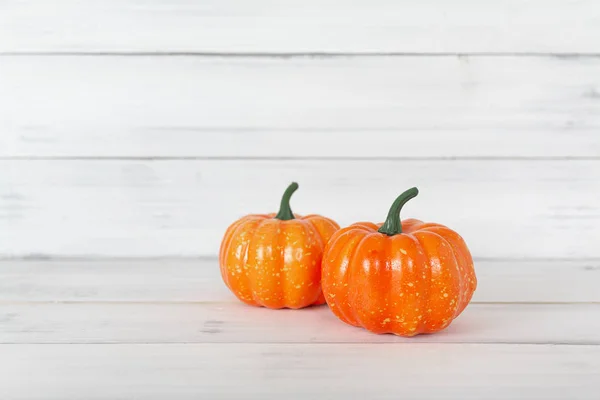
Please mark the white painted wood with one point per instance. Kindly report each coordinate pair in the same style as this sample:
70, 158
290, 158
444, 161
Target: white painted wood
114, 281
234, 322
332, 371
341, 107
199, 280
300, 26
309, 143
503, 209
136, 155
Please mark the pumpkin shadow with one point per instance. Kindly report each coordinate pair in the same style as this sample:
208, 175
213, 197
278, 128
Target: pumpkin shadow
464, 329
463, 326
470, 327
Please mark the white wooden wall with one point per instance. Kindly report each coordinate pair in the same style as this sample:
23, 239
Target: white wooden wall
142, 128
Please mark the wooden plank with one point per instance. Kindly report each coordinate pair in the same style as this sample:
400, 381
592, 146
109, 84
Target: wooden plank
200, 281
234, 322
332, 371
300, 26
310, 143
503, 209
368, 107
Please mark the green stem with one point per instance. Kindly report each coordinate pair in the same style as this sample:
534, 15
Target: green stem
393, 225
285, 212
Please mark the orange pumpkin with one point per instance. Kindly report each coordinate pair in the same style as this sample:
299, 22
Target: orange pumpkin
275, 260
404, 278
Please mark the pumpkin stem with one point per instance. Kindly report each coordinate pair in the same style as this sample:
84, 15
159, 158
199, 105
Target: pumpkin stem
285, 212
393, 225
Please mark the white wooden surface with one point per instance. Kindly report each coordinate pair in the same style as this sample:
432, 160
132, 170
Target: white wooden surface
185, 301
231, 322
298, 371
107, 329
503, 208
270, 26
140, 129
395, 107
197, 280
153, 144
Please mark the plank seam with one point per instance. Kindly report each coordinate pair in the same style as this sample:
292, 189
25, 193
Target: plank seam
220, 302
296, 158
295, 343
37, 257
289, 55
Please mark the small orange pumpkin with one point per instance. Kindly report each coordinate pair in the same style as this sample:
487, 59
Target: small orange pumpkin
275, 260
404, 278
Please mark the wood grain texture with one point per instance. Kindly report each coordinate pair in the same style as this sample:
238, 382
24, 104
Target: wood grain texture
503, 209
180, 281
142, 128
269, 26
235, 322
332, 371
367, 107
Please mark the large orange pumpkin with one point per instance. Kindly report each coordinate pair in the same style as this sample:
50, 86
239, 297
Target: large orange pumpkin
404, 278
274, 260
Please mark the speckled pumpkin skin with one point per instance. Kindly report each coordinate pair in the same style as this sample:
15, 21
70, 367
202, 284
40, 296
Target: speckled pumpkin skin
414, 282
273, 263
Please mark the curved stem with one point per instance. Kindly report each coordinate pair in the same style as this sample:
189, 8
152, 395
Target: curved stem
285, 212
393, 225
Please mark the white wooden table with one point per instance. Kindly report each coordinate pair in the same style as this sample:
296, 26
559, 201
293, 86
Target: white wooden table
170, 329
